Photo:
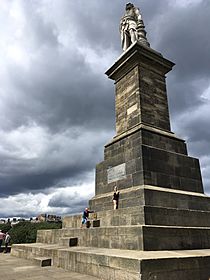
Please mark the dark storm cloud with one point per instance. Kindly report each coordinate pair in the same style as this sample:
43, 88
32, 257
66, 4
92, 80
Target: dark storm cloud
67, 158
61, 97
41, 179
59, 87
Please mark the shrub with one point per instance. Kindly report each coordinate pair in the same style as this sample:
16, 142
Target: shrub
5, 227
25, 232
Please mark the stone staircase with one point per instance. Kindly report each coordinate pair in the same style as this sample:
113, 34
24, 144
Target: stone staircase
134, 242
123, 264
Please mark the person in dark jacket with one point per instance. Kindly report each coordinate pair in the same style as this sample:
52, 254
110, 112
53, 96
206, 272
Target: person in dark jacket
85, 216
115, 198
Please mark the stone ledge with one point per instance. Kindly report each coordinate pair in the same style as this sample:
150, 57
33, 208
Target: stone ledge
115, 264
139, 237
152, 196
145, 215
142, 126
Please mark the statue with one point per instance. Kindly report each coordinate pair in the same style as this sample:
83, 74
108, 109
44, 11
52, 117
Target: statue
132, 27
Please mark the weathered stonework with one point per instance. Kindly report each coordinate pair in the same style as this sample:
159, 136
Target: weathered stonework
162, 206
148, 158
144, 143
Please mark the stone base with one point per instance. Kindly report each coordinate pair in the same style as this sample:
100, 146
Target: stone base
147, 157
131, 242
124, 264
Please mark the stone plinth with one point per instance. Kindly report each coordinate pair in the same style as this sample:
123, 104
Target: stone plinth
161, 230
144, 150
132, 161
140, 98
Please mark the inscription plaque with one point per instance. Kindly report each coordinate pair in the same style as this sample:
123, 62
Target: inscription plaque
116, 173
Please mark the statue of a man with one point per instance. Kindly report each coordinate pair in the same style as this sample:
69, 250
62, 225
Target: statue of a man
132, 27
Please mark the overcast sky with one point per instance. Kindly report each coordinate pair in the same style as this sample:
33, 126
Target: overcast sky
57, 106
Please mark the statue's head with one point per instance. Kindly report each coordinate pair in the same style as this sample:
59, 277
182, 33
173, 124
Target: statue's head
129, 6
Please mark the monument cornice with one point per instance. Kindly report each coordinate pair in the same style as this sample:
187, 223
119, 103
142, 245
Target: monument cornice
139, 127
138, 54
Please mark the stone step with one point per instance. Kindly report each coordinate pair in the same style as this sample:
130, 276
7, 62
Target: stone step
104, 202
68, 241
49, 236
73, 221
107, 237
108, 218
34, 250
145, 215
152, 196
139, 237
174, 217
42, 261
175, 238
155, 196
115, 264
18, 252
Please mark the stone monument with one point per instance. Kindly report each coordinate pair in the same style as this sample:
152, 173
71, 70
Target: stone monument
161, 229
132, 27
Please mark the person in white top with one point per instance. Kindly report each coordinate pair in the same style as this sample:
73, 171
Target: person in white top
7, 241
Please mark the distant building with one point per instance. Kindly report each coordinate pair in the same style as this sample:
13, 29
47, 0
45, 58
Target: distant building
48, 218
53, 218
41, 218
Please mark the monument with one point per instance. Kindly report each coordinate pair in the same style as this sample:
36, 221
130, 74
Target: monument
161, 229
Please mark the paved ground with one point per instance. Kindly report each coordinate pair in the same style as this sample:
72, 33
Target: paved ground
12, 268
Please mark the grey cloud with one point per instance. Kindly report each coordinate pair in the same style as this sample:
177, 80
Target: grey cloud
183, 95
63, 96
38, 31
185, 38
34, 181
61, 163
71, 201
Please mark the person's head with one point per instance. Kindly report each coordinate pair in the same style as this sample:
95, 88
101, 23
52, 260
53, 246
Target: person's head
115, 188
129, 6
86, 209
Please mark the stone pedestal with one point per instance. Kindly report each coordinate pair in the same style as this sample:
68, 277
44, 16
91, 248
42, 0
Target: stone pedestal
144, 150
161, 230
